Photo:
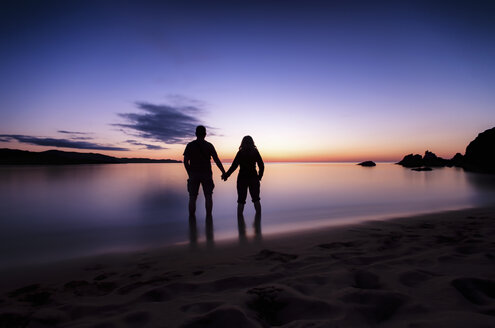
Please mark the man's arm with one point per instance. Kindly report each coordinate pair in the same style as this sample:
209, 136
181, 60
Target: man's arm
187, 160
217, 160
187, 164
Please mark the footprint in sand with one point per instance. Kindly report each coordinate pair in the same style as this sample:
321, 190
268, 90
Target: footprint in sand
476, 290
267, 254
201, 307
376, 306
224, 316
138, 318
278, 305
32, 294
366, 280
85, 288
416, 277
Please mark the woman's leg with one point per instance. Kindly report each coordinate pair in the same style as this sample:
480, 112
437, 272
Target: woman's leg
257, 207
254, 191
242, 188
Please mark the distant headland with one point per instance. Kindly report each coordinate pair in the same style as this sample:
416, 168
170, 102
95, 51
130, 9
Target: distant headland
57, 157
479, 156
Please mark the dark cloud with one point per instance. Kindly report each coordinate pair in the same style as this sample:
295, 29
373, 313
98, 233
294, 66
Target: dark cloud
165, 123
147, 146
62, 143
76, 135
72, 132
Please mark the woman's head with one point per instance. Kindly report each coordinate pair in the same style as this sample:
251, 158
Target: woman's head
247, 143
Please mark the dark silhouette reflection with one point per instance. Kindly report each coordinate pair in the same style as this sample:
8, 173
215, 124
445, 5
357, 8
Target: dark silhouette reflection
485, 182
257, 227
210, 242
241, 226
484, 185
193, 232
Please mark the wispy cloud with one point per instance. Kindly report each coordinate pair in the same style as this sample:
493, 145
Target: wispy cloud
170, 124
73, 135
147, 146
60, 143
71, 132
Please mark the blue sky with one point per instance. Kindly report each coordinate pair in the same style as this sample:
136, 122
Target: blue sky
309, 80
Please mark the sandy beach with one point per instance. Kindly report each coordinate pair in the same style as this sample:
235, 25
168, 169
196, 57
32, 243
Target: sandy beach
435, 270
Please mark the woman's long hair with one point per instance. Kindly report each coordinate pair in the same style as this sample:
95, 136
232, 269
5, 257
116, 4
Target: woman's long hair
247, 143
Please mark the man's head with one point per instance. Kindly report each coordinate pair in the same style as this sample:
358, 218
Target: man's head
200, 132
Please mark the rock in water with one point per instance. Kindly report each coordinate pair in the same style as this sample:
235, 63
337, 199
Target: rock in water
412, 161
457, 160
367, 163
431, 159
480, 153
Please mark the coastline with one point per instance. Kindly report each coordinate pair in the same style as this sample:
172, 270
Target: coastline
424, 271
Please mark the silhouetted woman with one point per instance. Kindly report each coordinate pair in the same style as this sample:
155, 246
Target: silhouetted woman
247, 157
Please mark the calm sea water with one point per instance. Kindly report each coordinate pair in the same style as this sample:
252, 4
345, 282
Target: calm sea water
50, 212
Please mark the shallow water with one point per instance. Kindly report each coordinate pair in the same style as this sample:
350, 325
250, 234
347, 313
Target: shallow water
54, 212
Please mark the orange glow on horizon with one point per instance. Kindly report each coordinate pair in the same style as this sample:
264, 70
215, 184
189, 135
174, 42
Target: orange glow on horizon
350, 155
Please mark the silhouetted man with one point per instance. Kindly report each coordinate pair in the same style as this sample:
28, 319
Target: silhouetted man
197, 161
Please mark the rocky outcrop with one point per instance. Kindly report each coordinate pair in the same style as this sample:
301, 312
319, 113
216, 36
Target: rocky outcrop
424, 163
367, 163
412, 161
429, 160
479, 157
480, 153
57, 157
457, 160
432, 160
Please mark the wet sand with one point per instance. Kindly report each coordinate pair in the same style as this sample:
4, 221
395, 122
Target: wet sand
435, 270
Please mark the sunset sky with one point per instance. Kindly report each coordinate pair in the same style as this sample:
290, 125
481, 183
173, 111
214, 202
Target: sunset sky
308, 80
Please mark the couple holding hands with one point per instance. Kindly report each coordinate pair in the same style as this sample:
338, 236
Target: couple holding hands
197, 162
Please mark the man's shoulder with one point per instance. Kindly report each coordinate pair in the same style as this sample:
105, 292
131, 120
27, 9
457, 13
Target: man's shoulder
188, 147
205, 144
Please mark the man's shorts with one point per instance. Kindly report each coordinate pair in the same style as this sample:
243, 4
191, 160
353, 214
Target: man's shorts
205, 180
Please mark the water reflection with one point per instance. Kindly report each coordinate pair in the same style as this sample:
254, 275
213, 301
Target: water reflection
241, 227
257, 227
57, 212
485, 185
210, 239
193, 232
161, 204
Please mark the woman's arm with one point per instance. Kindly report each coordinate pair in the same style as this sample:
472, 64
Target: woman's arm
261, 166
234, 166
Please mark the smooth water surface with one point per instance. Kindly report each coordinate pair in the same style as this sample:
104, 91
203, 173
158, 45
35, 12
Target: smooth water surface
53, 212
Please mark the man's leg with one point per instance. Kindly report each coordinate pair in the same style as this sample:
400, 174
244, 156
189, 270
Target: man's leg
192, 205
209, 204
192, 188
208, 186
